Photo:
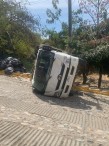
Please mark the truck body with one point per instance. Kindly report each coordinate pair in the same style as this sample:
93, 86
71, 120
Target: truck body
54, 72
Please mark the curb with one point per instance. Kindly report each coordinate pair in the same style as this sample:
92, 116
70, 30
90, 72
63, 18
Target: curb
74, 88
18, 74
90, 90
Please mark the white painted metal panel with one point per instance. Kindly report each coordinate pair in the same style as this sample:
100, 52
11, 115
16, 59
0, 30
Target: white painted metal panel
60, 59
70, 78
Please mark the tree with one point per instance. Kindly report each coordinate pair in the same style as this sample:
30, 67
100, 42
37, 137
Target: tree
17, 27
90, 37
57, 39
99, 57
52, 16
96, 9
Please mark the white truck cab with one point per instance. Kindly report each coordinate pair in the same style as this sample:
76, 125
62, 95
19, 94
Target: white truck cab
54, 72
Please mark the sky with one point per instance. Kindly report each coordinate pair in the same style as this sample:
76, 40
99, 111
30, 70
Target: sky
38, 9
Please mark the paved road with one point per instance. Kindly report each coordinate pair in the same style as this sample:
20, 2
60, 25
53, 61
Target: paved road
27, 119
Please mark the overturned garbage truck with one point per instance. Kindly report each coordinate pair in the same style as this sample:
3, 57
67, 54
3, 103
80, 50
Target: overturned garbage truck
54, 72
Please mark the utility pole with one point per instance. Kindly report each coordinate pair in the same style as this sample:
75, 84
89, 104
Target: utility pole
69, 22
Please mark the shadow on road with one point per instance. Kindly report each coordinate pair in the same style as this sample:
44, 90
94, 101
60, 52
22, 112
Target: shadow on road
76, 101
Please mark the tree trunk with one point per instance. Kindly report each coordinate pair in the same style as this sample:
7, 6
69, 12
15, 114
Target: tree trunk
84, 78
100, 77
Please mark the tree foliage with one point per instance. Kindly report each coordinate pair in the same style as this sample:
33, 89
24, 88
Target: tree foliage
53, 15
90, 37
96, 9
17, 27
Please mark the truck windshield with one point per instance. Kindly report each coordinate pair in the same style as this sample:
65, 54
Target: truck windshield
43, 69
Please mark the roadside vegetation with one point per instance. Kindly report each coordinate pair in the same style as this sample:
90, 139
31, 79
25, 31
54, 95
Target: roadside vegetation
18, 32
